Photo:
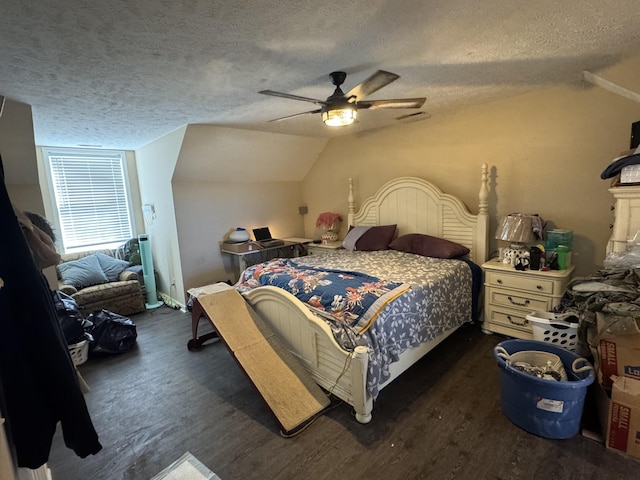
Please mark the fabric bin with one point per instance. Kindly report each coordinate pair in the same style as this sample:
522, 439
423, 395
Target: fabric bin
547, 408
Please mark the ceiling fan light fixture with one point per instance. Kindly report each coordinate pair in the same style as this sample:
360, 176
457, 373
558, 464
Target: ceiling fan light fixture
340, 117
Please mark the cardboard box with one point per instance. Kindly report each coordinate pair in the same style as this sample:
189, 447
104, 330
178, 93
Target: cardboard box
623, 425
241, 247
618, 354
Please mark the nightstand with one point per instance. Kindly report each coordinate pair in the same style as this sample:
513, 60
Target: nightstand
316, 248
510, 295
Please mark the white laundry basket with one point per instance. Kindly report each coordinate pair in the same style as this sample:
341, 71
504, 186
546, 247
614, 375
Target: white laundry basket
555, 329
79, 352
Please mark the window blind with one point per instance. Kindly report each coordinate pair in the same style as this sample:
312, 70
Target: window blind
92, 201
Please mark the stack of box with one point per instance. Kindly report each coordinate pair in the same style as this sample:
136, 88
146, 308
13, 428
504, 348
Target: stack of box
556, 238
618, 372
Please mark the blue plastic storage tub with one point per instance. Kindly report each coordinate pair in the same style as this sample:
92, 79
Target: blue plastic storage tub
547, 408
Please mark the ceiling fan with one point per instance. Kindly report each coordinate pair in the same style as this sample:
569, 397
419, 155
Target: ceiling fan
341, 109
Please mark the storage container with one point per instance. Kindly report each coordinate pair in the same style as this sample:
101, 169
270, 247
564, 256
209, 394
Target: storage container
560, 330
630, 174
547, 408
79, 352
559, 237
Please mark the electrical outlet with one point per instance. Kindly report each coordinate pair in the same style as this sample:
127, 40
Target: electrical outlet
173, 282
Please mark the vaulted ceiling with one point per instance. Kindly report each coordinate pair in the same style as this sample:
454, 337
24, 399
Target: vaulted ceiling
122, 73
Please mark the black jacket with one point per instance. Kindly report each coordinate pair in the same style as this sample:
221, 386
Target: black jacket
38, 383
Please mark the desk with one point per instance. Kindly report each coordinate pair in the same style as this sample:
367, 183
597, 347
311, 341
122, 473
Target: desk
292, 247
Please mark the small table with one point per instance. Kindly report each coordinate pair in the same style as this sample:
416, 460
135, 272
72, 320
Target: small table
292, 247
316, 248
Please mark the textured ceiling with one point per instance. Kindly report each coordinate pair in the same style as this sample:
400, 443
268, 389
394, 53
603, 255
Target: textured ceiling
122, 73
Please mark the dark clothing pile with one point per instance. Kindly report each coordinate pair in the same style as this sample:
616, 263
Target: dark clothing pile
39, 387
614, 292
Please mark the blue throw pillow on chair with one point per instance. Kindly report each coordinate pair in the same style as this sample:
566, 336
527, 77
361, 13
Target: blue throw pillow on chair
82, 273
111, 266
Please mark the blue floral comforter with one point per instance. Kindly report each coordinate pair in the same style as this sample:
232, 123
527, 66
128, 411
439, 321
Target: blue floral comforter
352, 300
386, 300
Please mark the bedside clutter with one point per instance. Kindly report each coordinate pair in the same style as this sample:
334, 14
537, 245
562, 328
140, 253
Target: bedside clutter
97, 280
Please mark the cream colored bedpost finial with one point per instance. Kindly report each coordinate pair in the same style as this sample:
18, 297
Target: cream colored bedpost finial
482, 240
483, 196
350, 199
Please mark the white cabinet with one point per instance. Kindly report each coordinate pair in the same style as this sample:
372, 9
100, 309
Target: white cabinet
626, 217
510, 295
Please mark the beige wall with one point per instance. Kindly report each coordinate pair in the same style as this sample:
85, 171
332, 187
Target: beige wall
156, 163
208, 212
18, 151
545, 151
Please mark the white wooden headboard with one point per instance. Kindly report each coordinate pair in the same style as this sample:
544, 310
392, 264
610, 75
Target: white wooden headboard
418, 206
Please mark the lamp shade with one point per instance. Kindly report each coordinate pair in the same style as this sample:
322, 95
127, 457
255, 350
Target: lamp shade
516, 228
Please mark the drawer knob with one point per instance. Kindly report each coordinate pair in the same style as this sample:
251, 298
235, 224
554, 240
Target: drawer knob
520, 304
499, 281
539, 287
516, 323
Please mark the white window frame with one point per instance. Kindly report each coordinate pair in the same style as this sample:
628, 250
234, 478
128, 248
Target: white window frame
83, 241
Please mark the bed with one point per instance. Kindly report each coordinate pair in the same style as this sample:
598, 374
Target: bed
415, 206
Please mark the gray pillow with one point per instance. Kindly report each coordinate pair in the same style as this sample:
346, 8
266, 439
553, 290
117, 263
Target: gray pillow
82, 273
111, 266
373, 238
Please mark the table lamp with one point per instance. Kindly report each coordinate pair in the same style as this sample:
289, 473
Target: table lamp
517, 229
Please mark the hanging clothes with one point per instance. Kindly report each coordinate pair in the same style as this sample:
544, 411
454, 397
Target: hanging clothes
38, 381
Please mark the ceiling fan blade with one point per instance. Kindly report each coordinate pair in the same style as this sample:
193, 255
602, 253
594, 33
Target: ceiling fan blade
414, 116
398, 103
292, 97
295, 115
372, 84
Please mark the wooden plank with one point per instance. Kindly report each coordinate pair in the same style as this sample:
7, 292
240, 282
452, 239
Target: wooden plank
286, 387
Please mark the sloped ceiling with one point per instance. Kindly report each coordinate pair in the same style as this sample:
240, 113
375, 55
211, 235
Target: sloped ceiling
122, 73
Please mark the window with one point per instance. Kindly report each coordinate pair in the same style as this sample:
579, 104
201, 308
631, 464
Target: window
91, 197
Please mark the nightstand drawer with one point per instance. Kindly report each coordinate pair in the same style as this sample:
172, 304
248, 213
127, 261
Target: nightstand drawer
510, 320
512, 299
521, 282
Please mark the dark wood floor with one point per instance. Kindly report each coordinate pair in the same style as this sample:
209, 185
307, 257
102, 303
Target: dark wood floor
440, 420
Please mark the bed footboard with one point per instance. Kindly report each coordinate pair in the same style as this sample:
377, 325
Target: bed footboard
309, 339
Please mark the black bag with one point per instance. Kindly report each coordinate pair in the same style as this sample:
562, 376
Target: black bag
70, 319
112, 333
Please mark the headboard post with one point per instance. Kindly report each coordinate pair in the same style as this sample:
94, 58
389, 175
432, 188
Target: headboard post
483, 196
482, 228
350, 199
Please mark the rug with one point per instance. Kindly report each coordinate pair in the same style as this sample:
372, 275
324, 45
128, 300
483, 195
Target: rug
187, 467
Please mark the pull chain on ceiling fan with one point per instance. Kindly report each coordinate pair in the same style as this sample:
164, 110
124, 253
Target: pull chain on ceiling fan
341, 109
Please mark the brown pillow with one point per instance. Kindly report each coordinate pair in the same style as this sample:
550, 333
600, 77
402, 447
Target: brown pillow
428, 246
376, 238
